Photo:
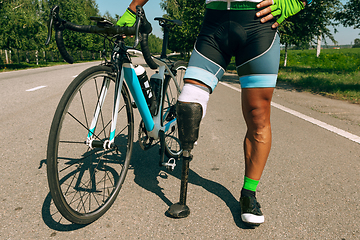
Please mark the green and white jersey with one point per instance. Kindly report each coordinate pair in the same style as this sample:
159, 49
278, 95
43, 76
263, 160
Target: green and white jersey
232, 4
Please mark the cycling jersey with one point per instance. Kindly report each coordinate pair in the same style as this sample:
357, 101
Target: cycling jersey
228, 1
232, 4
224, 33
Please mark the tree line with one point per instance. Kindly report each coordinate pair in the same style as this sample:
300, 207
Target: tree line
302, 30
23, 24
23, 28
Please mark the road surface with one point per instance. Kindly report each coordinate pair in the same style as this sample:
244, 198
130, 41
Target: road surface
310, 188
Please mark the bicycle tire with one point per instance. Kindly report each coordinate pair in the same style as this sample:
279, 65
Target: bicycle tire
168, 112
85, 182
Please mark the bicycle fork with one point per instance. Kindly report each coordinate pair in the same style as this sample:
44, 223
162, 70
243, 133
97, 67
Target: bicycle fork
98, 143
91, 141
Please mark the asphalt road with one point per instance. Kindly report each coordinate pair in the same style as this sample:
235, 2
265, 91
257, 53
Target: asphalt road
310, 188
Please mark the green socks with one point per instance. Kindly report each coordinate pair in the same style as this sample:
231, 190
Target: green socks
249, 187
250, 184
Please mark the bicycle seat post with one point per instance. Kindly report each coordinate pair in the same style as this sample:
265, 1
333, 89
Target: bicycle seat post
166, 24
165, 41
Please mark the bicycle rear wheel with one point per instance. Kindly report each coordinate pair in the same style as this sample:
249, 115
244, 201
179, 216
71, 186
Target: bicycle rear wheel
85, 182
168, 111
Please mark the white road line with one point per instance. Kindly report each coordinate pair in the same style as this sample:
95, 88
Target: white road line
36, 88
319, 123
229, 86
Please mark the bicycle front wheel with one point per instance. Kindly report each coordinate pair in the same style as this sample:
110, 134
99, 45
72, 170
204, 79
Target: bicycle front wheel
84, 182
171, 93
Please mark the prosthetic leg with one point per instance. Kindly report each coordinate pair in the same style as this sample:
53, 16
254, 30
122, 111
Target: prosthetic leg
188, 119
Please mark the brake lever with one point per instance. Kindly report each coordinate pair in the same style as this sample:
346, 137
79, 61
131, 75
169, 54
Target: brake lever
54, 14
137, 30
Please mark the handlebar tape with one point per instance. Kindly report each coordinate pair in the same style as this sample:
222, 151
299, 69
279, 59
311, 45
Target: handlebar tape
61, 46
84, 29
145, 30
146, 51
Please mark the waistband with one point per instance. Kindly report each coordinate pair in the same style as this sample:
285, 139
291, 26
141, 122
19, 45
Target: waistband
232, 5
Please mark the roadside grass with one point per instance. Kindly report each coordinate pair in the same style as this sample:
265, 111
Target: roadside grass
21, 66
336, 73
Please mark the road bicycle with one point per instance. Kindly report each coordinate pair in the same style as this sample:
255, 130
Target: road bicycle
92, 133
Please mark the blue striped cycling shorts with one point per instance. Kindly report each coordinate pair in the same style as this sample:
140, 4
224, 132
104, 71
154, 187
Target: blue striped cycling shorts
239, 33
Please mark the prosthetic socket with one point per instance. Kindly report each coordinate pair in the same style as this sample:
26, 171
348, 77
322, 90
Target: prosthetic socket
188, 116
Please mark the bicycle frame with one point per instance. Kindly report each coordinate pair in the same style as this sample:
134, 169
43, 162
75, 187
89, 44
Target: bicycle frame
152, 123
85, 177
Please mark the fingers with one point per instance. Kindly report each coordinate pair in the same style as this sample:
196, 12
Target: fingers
275, 25
263, 12
267, 18
265, 3
280, 20
269, 12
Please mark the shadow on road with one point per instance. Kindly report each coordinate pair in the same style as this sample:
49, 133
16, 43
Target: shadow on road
147, 170
54, 220
51, 216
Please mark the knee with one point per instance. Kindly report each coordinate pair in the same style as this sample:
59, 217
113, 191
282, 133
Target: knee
258, 118
258, 123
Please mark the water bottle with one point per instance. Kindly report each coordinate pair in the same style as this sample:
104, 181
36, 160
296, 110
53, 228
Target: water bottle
146, 88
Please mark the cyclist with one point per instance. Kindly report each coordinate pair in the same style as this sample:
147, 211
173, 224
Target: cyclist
247, 30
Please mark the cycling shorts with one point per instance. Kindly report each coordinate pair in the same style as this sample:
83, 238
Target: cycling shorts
239, 33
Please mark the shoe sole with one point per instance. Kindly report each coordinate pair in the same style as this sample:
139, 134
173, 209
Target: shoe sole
252, 219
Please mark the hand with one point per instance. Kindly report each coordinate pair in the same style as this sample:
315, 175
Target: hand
284, 8
127, 19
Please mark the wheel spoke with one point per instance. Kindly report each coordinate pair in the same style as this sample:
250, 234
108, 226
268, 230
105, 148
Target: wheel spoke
172, 89
88, 178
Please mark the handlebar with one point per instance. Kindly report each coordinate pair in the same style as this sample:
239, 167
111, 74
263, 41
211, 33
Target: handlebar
141, 29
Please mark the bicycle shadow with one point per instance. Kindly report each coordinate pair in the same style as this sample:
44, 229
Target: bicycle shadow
53, 219
147, 171
50, 214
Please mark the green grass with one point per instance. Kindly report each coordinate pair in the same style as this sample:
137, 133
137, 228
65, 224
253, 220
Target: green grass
336, 73
21, 66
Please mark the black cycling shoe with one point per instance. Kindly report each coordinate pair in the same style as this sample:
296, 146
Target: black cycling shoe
250, 211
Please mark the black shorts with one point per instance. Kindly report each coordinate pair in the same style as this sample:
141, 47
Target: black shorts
239, 33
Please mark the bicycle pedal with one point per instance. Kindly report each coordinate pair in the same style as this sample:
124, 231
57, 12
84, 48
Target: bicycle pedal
170, 164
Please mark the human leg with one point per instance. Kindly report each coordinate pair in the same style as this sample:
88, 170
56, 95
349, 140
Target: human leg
258, 79
256, 104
